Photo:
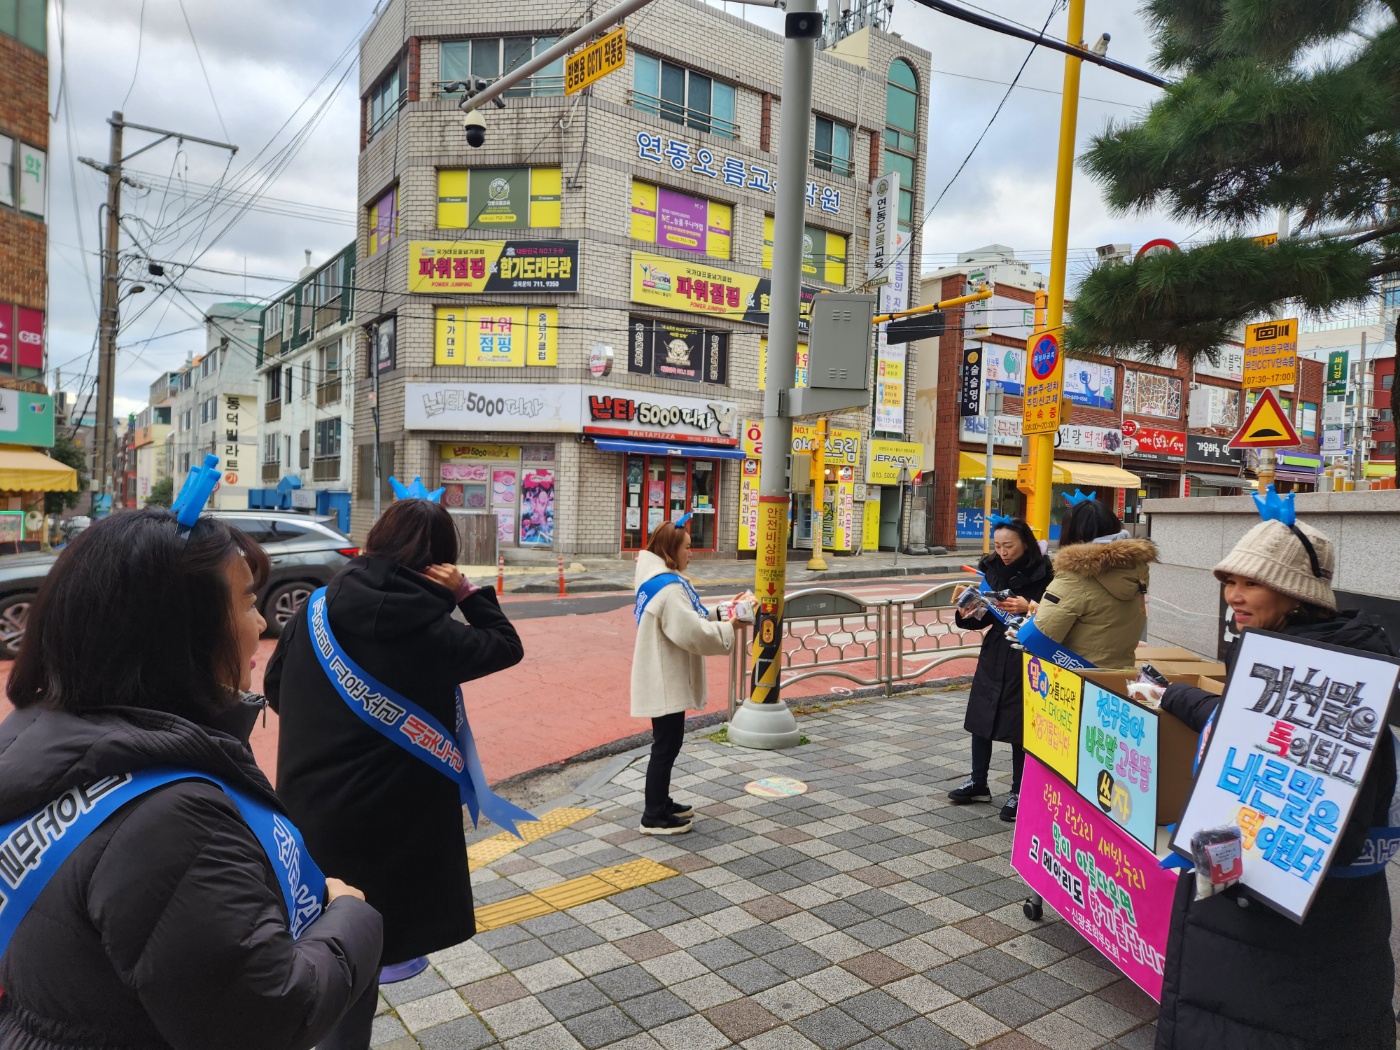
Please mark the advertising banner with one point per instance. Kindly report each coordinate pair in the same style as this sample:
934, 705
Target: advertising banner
546, 407
695, 288
1337, 373
674, 351
1201, 449
1005, 365
1096, 877
884, 222
492, 266
659, 417
1150, 394
970, 388
1293, 738
1090, 384
887, 457
497, 336
890, 357
1146, 442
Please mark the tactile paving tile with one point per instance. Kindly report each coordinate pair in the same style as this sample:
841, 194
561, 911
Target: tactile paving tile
582, 890
488, 851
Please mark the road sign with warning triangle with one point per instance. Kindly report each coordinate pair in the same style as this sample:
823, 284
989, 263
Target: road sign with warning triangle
1267, 426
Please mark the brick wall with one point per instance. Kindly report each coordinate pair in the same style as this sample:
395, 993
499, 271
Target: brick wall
24, 93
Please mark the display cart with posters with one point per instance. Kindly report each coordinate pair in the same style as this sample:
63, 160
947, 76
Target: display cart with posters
1109, 797
1103, 776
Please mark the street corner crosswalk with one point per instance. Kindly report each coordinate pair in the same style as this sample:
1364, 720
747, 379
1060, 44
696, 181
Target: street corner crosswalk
866, 911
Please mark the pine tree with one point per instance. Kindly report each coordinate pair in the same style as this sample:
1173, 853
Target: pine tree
1276, 104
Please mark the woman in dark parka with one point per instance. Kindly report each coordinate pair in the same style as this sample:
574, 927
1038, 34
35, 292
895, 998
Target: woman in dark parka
166, 927
366, 805
1017, 564
1238, 975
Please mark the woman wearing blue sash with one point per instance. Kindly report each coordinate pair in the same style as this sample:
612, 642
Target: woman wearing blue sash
366, 683
675, 632
1238, 975
155, 892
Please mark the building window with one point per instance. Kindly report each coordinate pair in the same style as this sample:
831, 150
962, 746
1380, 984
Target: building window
1387, 416
287, 384
384, 101
902, 134
184, 462
831, 148
271, 446
274, 385
33, 174
327, 437
383, 221
272, 319
1387, 380
678, 220
493, 56
823, 253
683, 96
26, 21
499, 198
188, 420
306, 379
328, 360
1385, 448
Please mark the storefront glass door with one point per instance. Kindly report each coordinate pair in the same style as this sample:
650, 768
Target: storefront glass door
663, 488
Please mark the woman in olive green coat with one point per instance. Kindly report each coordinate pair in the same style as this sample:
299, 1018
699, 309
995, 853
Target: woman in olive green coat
1096, 605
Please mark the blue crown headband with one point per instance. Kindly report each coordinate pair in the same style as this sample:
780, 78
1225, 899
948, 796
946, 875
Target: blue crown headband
1076, 497
680, 522
415, 491
195, 493
998, 520
1273, 507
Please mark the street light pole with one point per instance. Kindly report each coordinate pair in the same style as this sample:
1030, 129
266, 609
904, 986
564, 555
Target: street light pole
763, 721
1042, 446
105, 436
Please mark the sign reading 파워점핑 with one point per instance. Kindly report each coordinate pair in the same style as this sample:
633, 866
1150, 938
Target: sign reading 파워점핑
1118, 761
1294, 736
1103, 883
1052, 698
1271, 354
492, 266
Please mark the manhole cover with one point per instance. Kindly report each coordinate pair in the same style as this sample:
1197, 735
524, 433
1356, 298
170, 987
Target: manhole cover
775, 787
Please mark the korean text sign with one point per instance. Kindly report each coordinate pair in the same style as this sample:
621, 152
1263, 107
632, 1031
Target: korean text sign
1052, 698
1294, 736
493, 266
1104, 884
1118, 761
1045, 373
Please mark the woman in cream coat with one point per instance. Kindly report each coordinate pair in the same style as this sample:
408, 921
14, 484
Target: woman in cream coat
675, 632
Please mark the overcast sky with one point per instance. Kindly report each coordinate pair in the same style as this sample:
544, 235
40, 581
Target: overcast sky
267, 63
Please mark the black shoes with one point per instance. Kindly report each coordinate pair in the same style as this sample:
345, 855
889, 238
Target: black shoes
679, 809
1008, 811
972, 791
665, 826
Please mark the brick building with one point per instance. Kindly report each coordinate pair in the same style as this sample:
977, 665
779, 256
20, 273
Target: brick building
566, 326
26, 408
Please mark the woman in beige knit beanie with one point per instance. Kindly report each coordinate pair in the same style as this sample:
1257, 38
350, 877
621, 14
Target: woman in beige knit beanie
1238, 974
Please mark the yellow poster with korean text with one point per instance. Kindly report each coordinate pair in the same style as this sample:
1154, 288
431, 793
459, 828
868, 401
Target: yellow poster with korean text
1052, 702
497, 336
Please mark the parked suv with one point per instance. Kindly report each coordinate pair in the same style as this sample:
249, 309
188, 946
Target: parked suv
305, 552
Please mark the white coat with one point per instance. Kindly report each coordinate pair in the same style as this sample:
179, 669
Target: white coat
668, 665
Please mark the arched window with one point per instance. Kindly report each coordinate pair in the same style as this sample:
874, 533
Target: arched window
902, 134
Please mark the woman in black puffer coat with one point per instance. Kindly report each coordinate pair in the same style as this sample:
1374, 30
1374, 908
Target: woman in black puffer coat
1238, 975
166, 928
994, 703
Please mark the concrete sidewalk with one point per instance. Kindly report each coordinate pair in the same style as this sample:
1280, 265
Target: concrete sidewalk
866, 912
615, 574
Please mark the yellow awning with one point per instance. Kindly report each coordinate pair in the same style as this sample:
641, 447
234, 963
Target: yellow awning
1097, 474
972, 465
1380, 470
22, 470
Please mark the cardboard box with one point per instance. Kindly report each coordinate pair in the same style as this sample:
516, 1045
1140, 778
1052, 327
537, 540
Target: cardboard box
1150, 654
1182, 669
1176, 741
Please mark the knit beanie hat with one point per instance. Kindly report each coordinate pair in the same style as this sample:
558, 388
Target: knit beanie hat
1275, 555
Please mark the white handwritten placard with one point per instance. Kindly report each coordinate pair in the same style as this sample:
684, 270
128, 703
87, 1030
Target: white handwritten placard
1294, 735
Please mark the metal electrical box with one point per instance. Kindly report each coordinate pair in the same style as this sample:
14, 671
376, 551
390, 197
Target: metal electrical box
838, 355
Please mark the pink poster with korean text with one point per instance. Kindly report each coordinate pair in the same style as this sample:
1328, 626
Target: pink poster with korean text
1092, 873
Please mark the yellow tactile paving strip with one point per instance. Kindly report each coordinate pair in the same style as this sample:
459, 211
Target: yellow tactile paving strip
488, 851
582, 890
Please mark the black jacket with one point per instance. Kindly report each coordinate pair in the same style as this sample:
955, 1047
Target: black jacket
166, 928
1241, 976
382, 819
994, 702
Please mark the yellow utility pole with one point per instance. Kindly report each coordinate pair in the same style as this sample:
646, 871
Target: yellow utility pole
817, 562
1042, 446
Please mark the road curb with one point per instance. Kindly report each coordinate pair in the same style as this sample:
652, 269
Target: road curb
586, 586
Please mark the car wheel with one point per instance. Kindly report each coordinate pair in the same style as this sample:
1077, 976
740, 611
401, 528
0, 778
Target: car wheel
283, 603
14, 615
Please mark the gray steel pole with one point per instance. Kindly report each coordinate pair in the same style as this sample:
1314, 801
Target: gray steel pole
764, 721
104, 440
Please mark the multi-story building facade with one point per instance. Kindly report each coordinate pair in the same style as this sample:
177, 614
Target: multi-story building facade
151, 439
306, 375
213, 403
568, 323
26, 407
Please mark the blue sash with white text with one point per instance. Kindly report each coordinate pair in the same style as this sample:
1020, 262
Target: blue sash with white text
1032, 640
649, 590
403, 722
34, 847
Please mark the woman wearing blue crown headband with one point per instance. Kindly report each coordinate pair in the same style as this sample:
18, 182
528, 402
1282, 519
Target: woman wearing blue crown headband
156, 892
375, 756
1240, 976
1018, 571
